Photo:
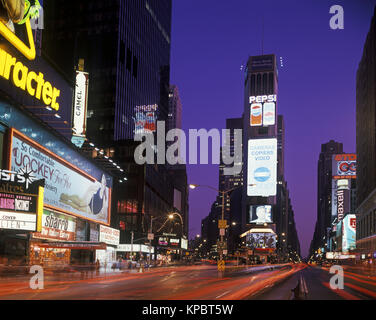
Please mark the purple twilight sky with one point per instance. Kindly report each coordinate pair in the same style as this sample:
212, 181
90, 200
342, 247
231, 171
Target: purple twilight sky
211, 39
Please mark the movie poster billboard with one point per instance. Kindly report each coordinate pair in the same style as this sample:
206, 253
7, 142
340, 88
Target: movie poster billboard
262, 168
67, 188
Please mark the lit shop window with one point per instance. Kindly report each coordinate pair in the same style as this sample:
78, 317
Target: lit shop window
127, 206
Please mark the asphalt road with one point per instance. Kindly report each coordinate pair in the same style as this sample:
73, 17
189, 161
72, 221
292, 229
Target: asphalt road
191, 283
316, 282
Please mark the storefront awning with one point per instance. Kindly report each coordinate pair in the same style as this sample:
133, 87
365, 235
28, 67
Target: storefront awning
265, 250
83, 245
257, 230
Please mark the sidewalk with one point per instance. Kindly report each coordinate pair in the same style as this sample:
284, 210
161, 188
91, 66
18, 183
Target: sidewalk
69, 272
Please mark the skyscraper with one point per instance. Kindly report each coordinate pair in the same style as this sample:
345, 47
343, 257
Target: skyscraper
126, 48
324, 193
260, 153
366, 145
261, 81
225, 183
178, 173
175, 109
228, 182
232, 182
265, 187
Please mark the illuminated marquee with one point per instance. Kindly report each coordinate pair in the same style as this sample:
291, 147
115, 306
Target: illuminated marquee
20, 207
31, 82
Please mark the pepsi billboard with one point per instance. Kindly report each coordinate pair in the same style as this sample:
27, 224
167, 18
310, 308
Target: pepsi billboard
263, 110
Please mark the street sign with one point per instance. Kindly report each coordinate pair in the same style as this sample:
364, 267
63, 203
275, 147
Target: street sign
221, 265
221, 245
225, 252
222, 232
151, 236
222, 224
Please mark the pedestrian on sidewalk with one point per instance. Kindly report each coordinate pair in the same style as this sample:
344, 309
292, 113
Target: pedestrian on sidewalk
97, 266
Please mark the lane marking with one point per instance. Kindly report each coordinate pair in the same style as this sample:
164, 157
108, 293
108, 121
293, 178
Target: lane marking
223, 294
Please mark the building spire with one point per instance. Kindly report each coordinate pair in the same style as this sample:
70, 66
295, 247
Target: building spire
262, 36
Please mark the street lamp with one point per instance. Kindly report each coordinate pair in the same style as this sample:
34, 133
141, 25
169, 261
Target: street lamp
172, 216
151, 232
194, 186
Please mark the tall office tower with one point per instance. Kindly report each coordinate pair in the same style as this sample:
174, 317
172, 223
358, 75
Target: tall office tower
228, 182
293, 243
281, 147
126, 48
178, 173
231, 182
324, 194
209, 229
175, 109
366, 145
260, 152
281, 211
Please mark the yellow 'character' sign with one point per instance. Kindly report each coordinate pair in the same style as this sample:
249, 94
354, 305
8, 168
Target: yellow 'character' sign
26, 80
28, 52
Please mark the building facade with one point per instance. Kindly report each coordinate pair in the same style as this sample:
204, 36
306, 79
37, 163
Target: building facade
56, 210
324, 194
260, 156
366, 147
126, 48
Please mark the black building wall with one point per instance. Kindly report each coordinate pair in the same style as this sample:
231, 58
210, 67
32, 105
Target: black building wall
366, 145
126, 47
